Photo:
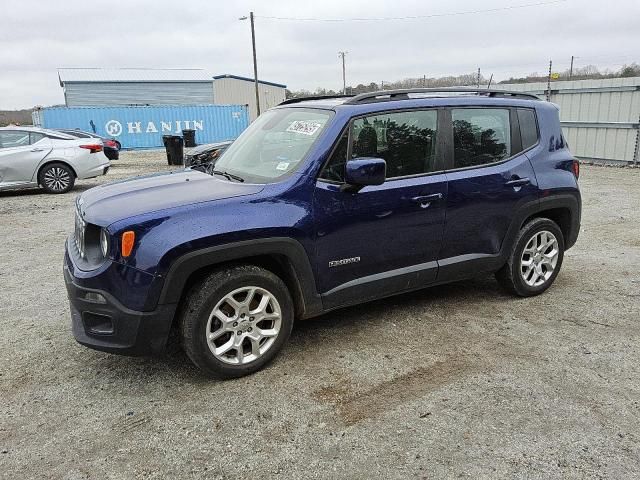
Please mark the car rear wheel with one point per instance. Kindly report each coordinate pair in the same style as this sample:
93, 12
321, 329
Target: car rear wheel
535, 259
56, 178
236, 320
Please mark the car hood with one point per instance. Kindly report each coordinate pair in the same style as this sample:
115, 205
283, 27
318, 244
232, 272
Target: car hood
205, 148
111, 202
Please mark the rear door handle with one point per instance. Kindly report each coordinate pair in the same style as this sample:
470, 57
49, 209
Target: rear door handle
517, 182
37, 149
425, 200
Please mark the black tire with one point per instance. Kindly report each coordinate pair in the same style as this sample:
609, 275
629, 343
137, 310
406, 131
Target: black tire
56, 178
510, 276
200, 302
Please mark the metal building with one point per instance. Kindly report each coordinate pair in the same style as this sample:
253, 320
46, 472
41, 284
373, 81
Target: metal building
241, 90
600, 118
135, 86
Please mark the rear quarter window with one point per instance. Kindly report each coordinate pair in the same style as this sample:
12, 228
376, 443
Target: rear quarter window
528, 127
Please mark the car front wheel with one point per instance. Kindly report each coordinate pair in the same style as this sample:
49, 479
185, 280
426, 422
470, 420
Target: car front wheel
236, 320
534, 260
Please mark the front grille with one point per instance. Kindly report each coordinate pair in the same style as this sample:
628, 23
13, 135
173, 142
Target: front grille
80, 229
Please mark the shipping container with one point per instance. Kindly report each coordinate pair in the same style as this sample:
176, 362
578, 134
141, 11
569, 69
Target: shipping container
143, 127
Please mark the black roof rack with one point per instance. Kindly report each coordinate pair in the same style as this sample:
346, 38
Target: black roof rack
403, 94
312, 97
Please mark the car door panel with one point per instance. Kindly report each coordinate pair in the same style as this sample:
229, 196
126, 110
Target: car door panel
483, 203
19, 164
385, 238
380, 240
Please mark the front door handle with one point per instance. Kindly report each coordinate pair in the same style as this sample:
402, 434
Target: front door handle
425, 200
518, 182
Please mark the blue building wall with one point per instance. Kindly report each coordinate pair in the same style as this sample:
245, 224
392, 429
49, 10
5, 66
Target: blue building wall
143, 127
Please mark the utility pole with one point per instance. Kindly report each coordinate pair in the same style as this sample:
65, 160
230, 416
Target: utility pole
344, 78
549, 81
255, 61
424, 81
571, 69
478, 78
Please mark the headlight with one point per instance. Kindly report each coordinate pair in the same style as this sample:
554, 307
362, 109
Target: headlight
104, 242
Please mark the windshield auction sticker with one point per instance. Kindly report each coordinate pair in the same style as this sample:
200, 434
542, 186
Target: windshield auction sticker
304, 127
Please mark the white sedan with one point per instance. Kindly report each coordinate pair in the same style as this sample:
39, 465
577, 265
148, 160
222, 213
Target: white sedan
32, 156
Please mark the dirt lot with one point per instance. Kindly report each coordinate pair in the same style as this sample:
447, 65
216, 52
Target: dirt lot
456, 381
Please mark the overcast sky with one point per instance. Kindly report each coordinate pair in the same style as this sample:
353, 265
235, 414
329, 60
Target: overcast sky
39, 36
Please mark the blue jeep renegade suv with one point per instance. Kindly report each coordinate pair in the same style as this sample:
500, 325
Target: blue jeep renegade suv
323, 203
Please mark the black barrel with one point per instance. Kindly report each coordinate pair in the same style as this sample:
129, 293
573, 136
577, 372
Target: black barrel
174, 145
189, 138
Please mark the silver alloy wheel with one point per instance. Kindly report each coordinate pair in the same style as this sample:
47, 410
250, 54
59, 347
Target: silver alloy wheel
57, 179
244, 325
539, 258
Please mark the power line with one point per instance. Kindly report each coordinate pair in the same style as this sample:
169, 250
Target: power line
413, 17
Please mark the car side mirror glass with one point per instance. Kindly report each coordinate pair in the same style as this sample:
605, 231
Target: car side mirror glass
361, 172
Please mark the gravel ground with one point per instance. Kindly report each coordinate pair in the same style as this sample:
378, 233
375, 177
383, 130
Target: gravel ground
456, 381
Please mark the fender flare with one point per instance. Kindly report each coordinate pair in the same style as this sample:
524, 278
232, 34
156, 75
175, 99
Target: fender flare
184, 266
569, 201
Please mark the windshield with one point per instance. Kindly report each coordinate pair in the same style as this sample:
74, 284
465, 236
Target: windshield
274, 144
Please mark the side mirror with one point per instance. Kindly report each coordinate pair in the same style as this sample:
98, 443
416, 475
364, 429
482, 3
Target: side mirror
361, 172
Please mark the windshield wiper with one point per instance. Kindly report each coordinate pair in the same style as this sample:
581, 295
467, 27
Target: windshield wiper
228, 176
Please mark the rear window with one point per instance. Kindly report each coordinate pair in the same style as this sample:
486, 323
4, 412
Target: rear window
528, 127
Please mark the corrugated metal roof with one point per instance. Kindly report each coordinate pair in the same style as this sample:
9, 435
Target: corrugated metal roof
247, 79
70, 75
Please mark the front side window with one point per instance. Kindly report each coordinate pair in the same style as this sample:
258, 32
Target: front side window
274, 144
480, 136
13, 138
406, 141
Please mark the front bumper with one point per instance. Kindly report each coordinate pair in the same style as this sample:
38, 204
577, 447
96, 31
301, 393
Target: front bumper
101, 322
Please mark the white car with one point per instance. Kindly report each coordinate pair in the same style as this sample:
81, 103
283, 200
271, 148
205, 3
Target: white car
32, 156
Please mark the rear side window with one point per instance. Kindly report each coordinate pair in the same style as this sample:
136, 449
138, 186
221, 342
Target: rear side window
528, 127
480, 136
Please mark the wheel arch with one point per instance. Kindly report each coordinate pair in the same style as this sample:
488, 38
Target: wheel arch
564, 211
284, 257
48, 162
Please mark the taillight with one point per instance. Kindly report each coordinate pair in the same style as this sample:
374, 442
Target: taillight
110, 143
575, 168
94, 148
